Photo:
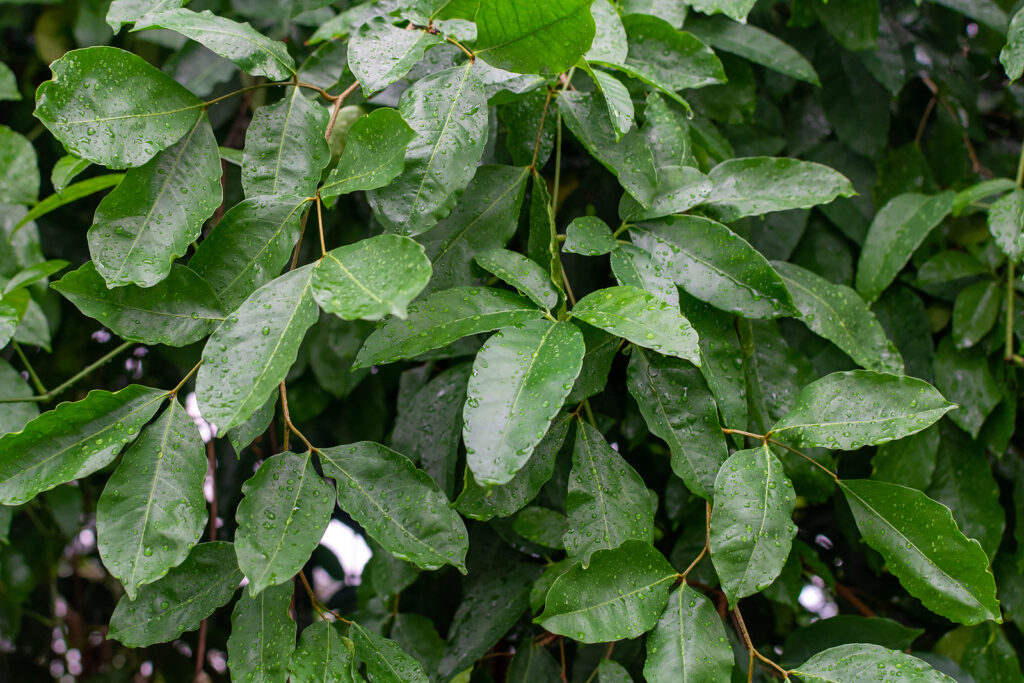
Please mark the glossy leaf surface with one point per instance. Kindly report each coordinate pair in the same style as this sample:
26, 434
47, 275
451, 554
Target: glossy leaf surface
689, 642
544, 38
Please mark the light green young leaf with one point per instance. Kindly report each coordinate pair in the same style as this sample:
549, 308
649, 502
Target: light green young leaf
975, 311
67, 168
371, 278
752, 43
19, 183
324, 655
129, 11
72, 441
520, 379
925, 550
862, 661
979, 191
157, 211
633, 266
1006, 223
689, 644
130, 112
249, 246
1012, 54
285, 150
282, 516
70, 194
386, 661
607, 503
250, 50
152, 510
849, 410
33, 274
675, 59
448, 112
374, 153
485, 218
535, 37
759, 185
180, 600
678, 408
838, 314
642, 318
8, 84
179, 310
714, 264
617, 99
621, 595
379, 53
522, 273
442, 318
751, 527
896, 232
252, 351
410, 516
590, 236
262, 636
484, 502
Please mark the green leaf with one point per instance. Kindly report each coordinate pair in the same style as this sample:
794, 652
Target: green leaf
675, 59
751, 527
736, 9
485, 502
542, 238
849, 410
520, 379
966, 378
152, 510
244, 434
677, 189
179, 310
641, 318
262, 636
485, 218
541, 525
1006, 221
249, 246
541, 38
285, 150
590, 236
380, 54
129, 112
374, 153
33, 274
157, 211
752, 43
130, 11
410, 516
282, 516
924, 549
250, 50
909, 461
20, 181
975, 311
861, 661
251, 352
8, 84
371, 278
719, 349
714, 264
522, 273
72, 441
975, 193
448, 112
323, 655
609, 43
532, 663
621, 595
823, 634
1012, 54
896, 232
610, 671
689, 643
617, 99
67, 168
985, 12
607, 503
71, 194
440, 319
759, 185
837, 313
678, 408
637, 268
17, 414
180, 600
386, 661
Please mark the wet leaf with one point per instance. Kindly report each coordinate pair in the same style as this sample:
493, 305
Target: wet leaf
323, 655
20, 181
689, 642
859, 661
534, 37
379, 54
637, 268
262, 636
374, 153
525, 275
590, 236
386, 661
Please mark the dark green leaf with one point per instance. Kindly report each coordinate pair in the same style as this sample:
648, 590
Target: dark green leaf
379, 54
323, 655
752, 43
543, 38
374, 153
590, 236
410, 516
965, 377
621, 595
637, 268
924, 549
153, 511
525, 275
861, 661
910, 461
130, 11
842, 629
73, 440
689, 643
180, 600
262, 636
1012, 55
130, 112
719, 349
532, 663
71, 194
67, 168
20, 181
179, 310
1006, 222
386, 661
975, 311
675, 59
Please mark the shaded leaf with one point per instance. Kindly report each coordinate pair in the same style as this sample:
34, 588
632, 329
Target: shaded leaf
323, 655
689, 642
379, 54
262, 636
386, 661
20, 181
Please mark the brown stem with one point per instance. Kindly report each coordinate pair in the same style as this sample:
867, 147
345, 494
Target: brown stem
200, 652
707, 542
848, 595
561, 656
741, 627
338, 101
289, 425
540, 130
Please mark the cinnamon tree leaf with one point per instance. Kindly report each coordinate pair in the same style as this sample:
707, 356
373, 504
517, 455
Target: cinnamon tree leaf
522, 273
323, 655
385, 660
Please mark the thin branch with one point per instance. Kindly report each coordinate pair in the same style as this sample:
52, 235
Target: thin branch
540, 130
924, 120
742, 628
766, 439
338, 101
28, 366
468, 53
561, 656
320, 608
77, 376
257, 86
707, 542
289, 425
320, 225
298, 242
174, 392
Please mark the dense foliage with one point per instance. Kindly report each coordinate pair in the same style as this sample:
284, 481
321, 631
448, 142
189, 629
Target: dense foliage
640, 339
